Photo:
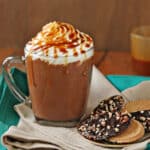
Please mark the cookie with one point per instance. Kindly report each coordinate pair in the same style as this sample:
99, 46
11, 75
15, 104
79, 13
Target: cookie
100, 125
103, 127
134, 132
140, 110
143, 117
137, 105
106, 120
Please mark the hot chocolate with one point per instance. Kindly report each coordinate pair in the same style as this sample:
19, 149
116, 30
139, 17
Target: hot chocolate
59, 64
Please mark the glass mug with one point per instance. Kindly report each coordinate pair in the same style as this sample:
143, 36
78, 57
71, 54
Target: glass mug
58, 93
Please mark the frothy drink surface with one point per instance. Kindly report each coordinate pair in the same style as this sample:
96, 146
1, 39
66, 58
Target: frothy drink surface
59, 63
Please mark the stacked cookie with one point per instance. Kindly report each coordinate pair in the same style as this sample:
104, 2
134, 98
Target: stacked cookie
140, 110
112, 122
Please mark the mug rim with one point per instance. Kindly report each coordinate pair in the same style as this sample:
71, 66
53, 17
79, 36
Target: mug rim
136, 30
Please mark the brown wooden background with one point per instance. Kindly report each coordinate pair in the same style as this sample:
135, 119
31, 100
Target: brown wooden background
108, 21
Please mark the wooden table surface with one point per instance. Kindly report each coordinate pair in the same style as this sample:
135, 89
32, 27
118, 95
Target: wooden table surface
110, 62
115, 62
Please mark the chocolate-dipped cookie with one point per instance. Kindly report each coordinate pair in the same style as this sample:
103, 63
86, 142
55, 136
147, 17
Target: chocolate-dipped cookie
106, 120
101, 126
143, 117
140, 110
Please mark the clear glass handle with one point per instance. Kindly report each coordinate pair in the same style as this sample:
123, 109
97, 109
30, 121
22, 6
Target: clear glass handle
7, 64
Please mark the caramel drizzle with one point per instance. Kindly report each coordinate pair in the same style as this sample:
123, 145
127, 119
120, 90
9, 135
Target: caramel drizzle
55, 52
55, 34
81, 50
46, 52
75, 53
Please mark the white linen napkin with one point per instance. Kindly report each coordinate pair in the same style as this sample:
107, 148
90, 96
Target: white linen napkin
29, 135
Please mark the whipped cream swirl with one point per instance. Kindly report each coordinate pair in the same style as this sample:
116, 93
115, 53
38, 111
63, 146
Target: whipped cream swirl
60, 43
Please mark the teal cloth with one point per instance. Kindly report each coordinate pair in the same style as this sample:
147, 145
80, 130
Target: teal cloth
148, 146
9, 117
122, 82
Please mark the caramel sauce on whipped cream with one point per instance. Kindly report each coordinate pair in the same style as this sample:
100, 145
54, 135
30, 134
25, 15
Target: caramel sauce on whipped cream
58, 40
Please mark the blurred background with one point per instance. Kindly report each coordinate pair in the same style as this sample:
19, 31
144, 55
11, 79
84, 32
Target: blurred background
109, 22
